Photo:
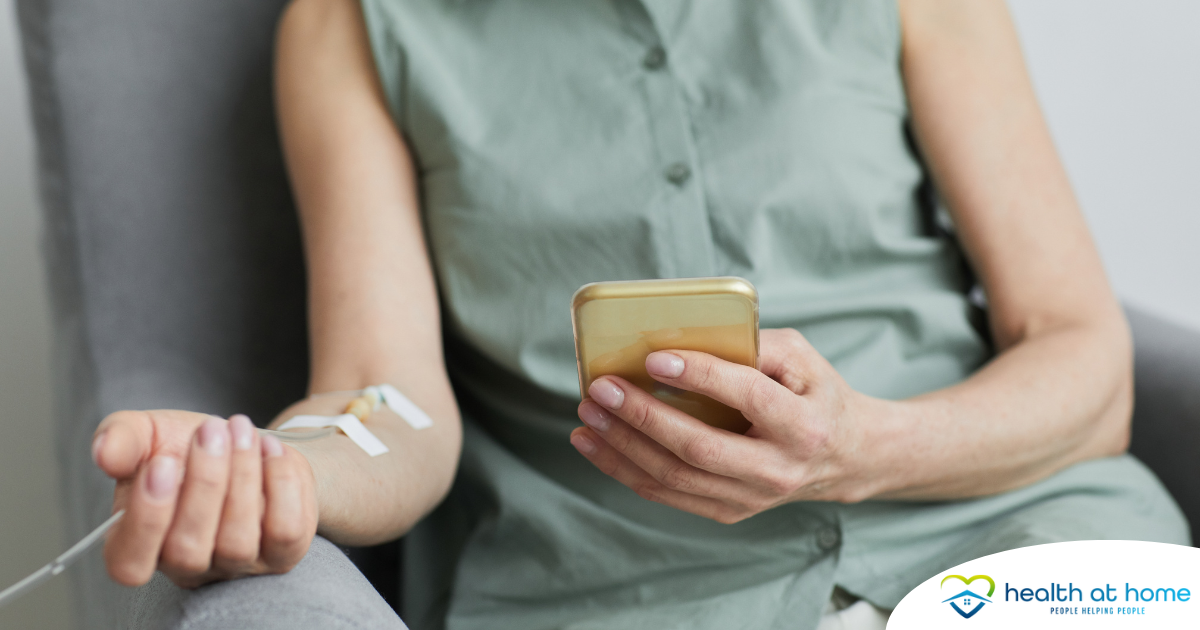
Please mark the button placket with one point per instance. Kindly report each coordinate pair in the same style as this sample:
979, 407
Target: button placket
685, 232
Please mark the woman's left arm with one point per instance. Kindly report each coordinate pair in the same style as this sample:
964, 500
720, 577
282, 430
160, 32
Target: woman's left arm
1061, 389
1059, 392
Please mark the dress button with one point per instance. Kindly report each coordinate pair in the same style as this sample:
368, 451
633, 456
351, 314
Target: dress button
678, 173
828, 538
655, 58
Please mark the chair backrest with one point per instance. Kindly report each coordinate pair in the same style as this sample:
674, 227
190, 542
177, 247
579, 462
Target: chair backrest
173, 249
1166, 415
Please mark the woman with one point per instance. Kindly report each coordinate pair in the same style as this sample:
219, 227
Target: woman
474, 163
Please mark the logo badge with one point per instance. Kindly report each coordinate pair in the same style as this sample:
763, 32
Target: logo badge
968, 602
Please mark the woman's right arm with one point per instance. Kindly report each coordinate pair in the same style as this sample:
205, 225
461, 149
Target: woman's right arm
373, 308
208, 500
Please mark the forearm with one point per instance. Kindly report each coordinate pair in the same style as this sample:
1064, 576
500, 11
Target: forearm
1057, 398
373, 303
365, 500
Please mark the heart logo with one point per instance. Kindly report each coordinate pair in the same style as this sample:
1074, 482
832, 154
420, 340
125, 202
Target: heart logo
967, 582
968, 602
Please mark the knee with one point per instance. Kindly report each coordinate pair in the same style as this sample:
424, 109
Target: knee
325, 590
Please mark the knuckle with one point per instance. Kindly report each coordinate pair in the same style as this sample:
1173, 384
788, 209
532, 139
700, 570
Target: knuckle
849, 496
704, 375
640, 414
237, 550
678, 477
285, 565
185, 565
128, 573
209, 480
758, 506
621, 440
730, 516
608, 466
285, 475
186, 555
762, 398
704, 452
648, 491
607, 463
817, 438
286, 534
780, 483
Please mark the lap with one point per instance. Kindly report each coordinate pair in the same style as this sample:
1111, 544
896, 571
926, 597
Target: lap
324, 591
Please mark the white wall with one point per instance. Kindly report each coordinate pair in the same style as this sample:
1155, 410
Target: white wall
29, 511
1120, 83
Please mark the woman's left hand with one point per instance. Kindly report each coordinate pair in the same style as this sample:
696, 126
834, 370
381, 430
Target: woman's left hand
805, 442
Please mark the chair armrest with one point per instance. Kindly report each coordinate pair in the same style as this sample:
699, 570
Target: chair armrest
1166, 416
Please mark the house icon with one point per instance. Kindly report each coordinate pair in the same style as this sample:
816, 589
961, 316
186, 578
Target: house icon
967, 603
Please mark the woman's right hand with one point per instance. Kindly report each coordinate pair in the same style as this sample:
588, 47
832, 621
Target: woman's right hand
205, 499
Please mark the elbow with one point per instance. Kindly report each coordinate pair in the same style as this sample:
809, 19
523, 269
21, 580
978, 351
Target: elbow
1119, 421
439, 471
1117, 414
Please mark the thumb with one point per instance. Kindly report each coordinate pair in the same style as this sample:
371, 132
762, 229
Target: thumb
122, 442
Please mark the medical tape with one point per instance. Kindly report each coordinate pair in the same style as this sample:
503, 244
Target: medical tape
347, 423
403, 407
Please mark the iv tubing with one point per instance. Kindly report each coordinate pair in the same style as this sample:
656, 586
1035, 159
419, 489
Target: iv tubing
37, 578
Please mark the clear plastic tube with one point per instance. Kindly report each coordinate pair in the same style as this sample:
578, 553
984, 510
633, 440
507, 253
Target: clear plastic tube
300, 436
44, 574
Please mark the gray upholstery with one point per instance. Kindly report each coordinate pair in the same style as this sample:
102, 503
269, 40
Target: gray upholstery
1166, 417
174, 255
325, 591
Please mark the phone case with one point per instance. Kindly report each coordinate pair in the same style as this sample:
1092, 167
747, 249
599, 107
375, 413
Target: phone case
617, 324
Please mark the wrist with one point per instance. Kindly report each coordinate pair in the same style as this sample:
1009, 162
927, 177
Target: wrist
884, 432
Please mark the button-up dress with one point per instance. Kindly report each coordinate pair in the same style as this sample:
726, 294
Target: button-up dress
564, 142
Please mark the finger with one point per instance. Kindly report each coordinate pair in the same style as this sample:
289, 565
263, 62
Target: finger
615, 465
696, 443
131, 551
188, 549
764, 402
288, 527
122, 443
784, 357
240, 529
655, 459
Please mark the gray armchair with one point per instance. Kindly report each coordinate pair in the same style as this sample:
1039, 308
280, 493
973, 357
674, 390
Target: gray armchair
174, 253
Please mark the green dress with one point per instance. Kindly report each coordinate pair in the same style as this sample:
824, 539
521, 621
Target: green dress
564, 142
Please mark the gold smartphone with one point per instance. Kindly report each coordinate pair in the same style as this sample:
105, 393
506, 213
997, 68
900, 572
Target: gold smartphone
617, 324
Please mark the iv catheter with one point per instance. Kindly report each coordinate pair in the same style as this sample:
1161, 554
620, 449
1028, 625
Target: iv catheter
368, 400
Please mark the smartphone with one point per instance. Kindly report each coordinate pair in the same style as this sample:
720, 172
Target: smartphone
617, 324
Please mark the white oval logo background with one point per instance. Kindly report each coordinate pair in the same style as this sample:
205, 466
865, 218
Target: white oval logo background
1083, 584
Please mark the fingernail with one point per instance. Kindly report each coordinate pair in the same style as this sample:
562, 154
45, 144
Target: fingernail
97, 445
163, 477
243, 432
595, 417
583, 444
213, 437
271, 446
664, 364
606, 393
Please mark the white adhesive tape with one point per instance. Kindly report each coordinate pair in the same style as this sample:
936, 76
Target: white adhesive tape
405, 408
348, 424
